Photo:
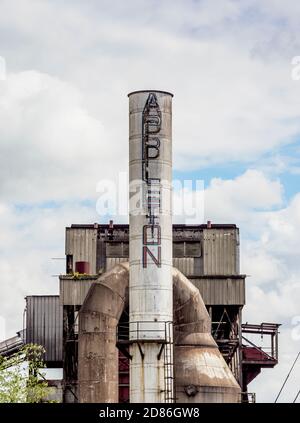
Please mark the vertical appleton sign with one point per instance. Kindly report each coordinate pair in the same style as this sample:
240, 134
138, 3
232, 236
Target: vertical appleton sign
150, 246
151, 147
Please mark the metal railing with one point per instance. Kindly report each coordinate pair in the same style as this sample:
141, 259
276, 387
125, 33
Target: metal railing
248, 397
146, 331
158, 332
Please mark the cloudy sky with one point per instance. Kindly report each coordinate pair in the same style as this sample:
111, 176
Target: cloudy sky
236, 126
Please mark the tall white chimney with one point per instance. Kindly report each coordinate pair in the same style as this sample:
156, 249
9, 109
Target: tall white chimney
150, 247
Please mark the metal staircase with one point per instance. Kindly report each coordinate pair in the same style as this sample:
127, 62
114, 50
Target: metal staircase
12, 345
169, 364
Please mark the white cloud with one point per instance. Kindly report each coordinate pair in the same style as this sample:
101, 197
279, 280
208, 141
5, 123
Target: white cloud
50, 146
230, 103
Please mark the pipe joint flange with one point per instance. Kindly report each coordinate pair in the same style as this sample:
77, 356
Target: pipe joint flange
191, 390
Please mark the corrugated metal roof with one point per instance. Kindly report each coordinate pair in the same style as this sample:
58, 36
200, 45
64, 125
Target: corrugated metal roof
81, 243
220, 251
113, 261
185, 265
11, 345
175, 226
44, 324
221, 290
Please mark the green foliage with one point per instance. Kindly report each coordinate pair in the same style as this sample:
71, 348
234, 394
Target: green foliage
21, 376
77, 275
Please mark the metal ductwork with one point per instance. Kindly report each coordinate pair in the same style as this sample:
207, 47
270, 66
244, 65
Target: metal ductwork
201, 374
97, 352
158, 308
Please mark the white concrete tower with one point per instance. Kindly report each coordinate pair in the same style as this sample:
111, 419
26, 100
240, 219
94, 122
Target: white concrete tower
150, 247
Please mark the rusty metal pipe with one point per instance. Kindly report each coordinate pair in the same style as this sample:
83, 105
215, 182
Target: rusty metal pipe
201, 373
97, 352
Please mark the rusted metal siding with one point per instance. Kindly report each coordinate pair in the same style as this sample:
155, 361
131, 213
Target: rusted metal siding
221, 291
187, 257
44, 324
73, 291
220, 251
185, 265
113, 261
12, 345
81, 243
215, 250
186, 249
117, 249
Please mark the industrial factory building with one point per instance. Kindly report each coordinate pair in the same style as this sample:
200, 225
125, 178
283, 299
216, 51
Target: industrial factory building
150, 311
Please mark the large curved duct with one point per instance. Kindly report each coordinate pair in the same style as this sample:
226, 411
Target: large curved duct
97, 352
201, 373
